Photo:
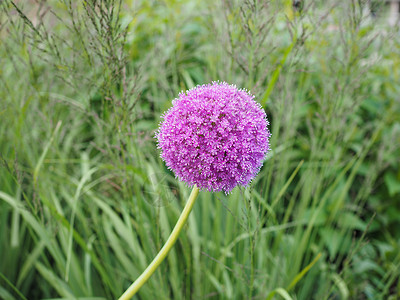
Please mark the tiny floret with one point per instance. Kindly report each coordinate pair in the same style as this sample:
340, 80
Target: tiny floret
215, 136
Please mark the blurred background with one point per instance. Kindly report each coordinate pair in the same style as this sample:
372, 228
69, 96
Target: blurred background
86, 202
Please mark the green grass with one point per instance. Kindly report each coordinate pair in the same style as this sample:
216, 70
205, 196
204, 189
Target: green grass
86, 202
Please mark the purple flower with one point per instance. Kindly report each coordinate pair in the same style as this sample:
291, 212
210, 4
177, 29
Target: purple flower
214, 136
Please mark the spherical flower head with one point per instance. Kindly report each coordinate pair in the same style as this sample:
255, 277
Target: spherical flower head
215, 136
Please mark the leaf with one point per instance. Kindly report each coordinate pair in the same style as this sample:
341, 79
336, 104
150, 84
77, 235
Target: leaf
344, 290
282, 292
57, 283
364, 266
351, 221
392, 183
303, 272
320, 217
276, 73
5, 294
332, 240
46, 148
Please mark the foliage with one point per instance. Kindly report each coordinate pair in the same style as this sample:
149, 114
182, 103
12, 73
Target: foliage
86, 202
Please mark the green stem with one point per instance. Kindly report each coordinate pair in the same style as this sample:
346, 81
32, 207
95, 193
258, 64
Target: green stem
132, 290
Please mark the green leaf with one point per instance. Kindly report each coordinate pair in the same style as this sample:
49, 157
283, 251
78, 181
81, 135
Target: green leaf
392, 183
57, 283
320, 217
351, 221
332, 239
282, 292
303, 272
344, 290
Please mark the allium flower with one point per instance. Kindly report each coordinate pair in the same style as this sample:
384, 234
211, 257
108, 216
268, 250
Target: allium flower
214, 136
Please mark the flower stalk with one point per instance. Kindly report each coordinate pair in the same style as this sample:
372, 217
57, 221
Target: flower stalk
132, 290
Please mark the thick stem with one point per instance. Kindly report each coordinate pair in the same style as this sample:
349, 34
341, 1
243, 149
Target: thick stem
132, 290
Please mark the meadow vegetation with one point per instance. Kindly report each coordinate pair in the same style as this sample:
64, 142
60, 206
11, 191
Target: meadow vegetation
86, 202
